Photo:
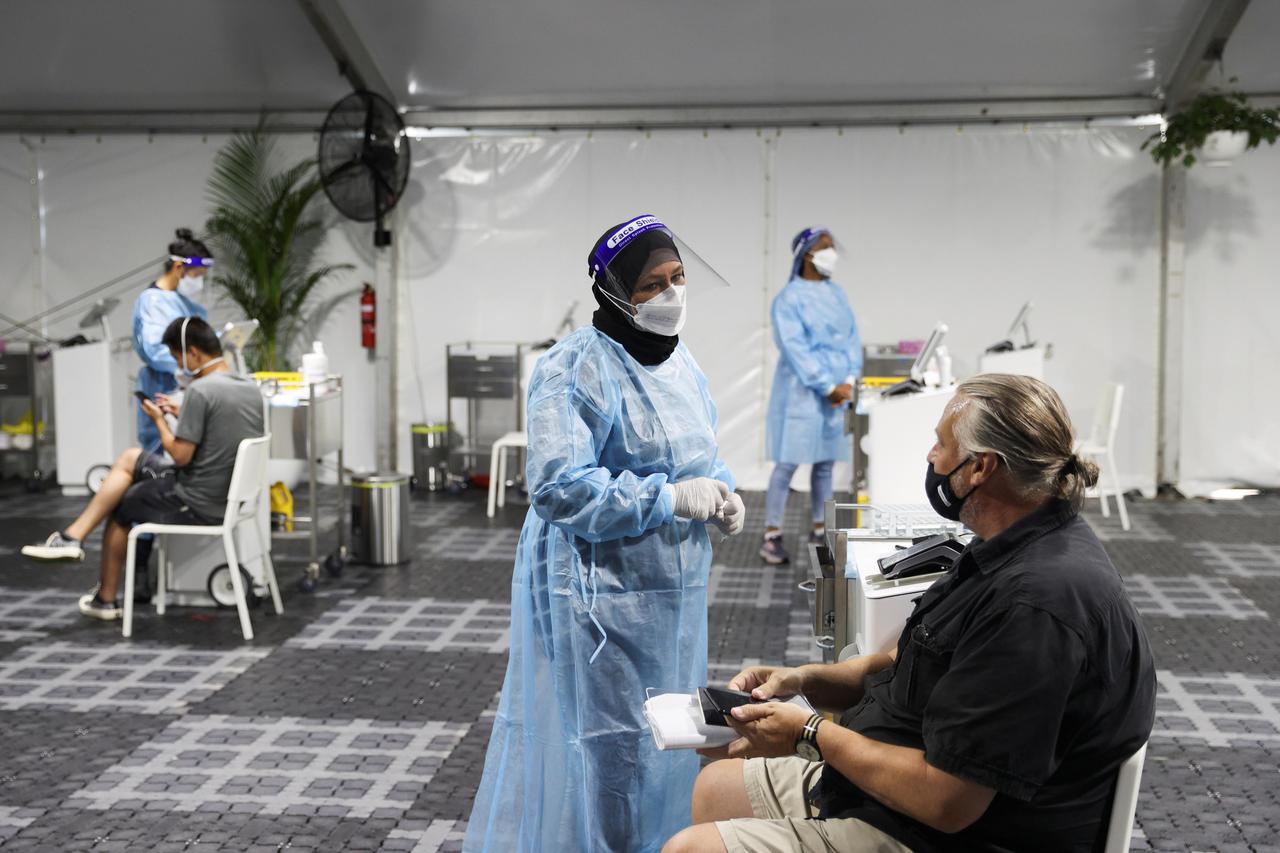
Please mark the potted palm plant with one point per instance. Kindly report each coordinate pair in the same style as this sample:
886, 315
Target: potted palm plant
1218, 125
267, 226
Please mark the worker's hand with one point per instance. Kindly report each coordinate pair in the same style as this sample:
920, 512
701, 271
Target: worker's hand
151, 410
731, 516
168, 405
698, 499
767, 729
840, 395
769, 682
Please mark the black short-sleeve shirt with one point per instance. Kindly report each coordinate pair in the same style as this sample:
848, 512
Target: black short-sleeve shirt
1026, 669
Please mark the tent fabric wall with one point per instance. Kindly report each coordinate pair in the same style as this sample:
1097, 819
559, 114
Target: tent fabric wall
108, 204
938, 224
1230, 413
19, 232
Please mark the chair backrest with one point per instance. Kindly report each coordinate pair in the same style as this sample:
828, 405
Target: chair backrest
248, 478
1106, 420
1125, 803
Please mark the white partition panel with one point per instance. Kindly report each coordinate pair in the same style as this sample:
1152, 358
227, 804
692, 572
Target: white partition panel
495, 229
939, 225
965, 225
111, 203
1231, 334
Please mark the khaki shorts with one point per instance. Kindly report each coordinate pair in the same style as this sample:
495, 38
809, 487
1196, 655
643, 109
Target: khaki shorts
784, 820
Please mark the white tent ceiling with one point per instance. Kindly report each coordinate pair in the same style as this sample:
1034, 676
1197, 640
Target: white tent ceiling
192, 56
1253, 54
613, 52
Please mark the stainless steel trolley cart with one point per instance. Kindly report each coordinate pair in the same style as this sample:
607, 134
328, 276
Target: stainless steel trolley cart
310, 427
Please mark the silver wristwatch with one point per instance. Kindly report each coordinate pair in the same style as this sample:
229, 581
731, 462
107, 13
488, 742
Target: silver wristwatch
807, 743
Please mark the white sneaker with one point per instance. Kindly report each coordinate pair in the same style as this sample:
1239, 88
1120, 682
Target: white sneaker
56, 547
92, 606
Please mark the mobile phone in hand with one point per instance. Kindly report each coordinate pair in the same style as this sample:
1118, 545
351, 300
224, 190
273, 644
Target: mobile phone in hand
717, 703
142, 398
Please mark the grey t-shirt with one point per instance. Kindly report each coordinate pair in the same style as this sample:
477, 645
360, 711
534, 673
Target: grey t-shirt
218, 412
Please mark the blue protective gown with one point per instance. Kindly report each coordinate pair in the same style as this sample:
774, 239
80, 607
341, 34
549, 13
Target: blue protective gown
818, 346
153, 311
571, 764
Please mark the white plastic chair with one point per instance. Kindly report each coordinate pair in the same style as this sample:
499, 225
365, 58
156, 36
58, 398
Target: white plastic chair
1100, 447
498, 467
248, 485
1124, 805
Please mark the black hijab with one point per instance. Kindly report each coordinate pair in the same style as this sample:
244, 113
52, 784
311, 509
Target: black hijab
635, 259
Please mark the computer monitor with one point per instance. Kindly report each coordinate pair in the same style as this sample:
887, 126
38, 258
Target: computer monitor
235, 337
921, 363
98, 315
1020, 322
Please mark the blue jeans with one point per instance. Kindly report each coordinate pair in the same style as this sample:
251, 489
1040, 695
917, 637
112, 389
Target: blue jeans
775, 501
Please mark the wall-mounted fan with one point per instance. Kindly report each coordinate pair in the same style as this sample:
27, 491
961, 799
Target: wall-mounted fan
364, 159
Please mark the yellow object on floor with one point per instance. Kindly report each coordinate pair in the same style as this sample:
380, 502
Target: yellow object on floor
282, 504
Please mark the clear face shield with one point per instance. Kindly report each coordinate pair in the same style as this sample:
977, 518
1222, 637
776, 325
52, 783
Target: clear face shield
645, 270
818, 246
192, 282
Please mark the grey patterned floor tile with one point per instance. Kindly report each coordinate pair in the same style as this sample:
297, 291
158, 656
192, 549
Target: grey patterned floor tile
278, 765
135, 679
424, 625
1189, 596
350, 684
45, 755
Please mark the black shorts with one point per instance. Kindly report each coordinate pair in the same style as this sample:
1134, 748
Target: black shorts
153, 496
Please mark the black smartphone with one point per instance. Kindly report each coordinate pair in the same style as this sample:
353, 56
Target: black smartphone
141, 397
717, 703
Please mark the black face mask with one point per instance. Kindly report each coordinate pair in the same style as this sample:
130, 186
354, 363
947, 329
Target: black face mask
942, 497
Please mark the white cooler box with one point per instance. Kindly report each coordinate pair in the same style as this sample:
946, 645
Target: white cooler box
878, 608
200, 577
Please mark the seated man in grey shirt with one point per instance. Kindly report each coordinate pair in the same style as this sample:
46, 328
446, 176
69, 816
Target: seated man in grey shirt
218, 411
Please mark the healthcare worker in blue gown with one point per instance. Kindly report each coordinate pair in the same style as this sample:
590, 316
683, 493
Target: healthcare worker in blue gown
174, 294
609, 594
819, 359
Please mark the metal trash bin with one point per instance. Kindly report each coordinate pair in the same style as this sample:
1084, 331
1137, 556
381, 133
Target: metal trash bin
430, 456
380, 530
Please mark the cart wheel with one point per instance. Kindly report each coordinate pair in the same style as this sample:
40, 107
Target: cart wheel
306, 583
94, 478
224, 594
334, 564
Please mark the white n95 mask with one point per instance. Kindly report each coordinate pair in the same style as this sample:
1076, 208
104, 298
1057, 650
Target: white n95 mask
665, 313
190, 286
825, 260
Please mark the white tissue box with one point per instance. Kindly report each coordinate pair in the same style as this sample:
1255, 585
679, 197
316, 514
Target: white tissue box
675, 719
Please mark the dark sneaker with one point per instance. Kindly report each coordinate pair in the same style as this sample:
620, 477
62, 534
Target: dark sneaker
817, 537
93, 606
57, 547
772, 551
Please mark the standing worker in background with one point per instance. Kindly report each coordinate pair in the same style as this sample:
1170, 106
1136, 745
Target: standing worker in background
820, 358
609, 593
175, 294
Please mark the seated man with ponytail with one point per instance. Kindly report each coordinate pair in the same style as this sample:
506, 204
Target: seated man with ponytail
1019, 685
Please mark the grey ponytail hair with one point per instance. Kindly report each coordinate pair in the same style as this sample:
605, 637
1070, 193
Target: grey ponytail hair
1022, 420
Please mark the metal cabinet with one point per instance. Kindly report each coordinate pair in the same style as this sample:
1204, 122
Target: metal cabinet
484, 401
26, 402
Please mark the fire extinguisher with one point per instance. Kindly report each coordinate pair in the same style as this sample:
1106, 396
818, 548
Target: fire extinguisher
368, 317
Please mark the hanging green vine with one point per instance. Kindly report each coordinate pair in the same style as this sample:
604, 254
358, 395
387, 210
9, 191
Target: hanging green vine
1187, 129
